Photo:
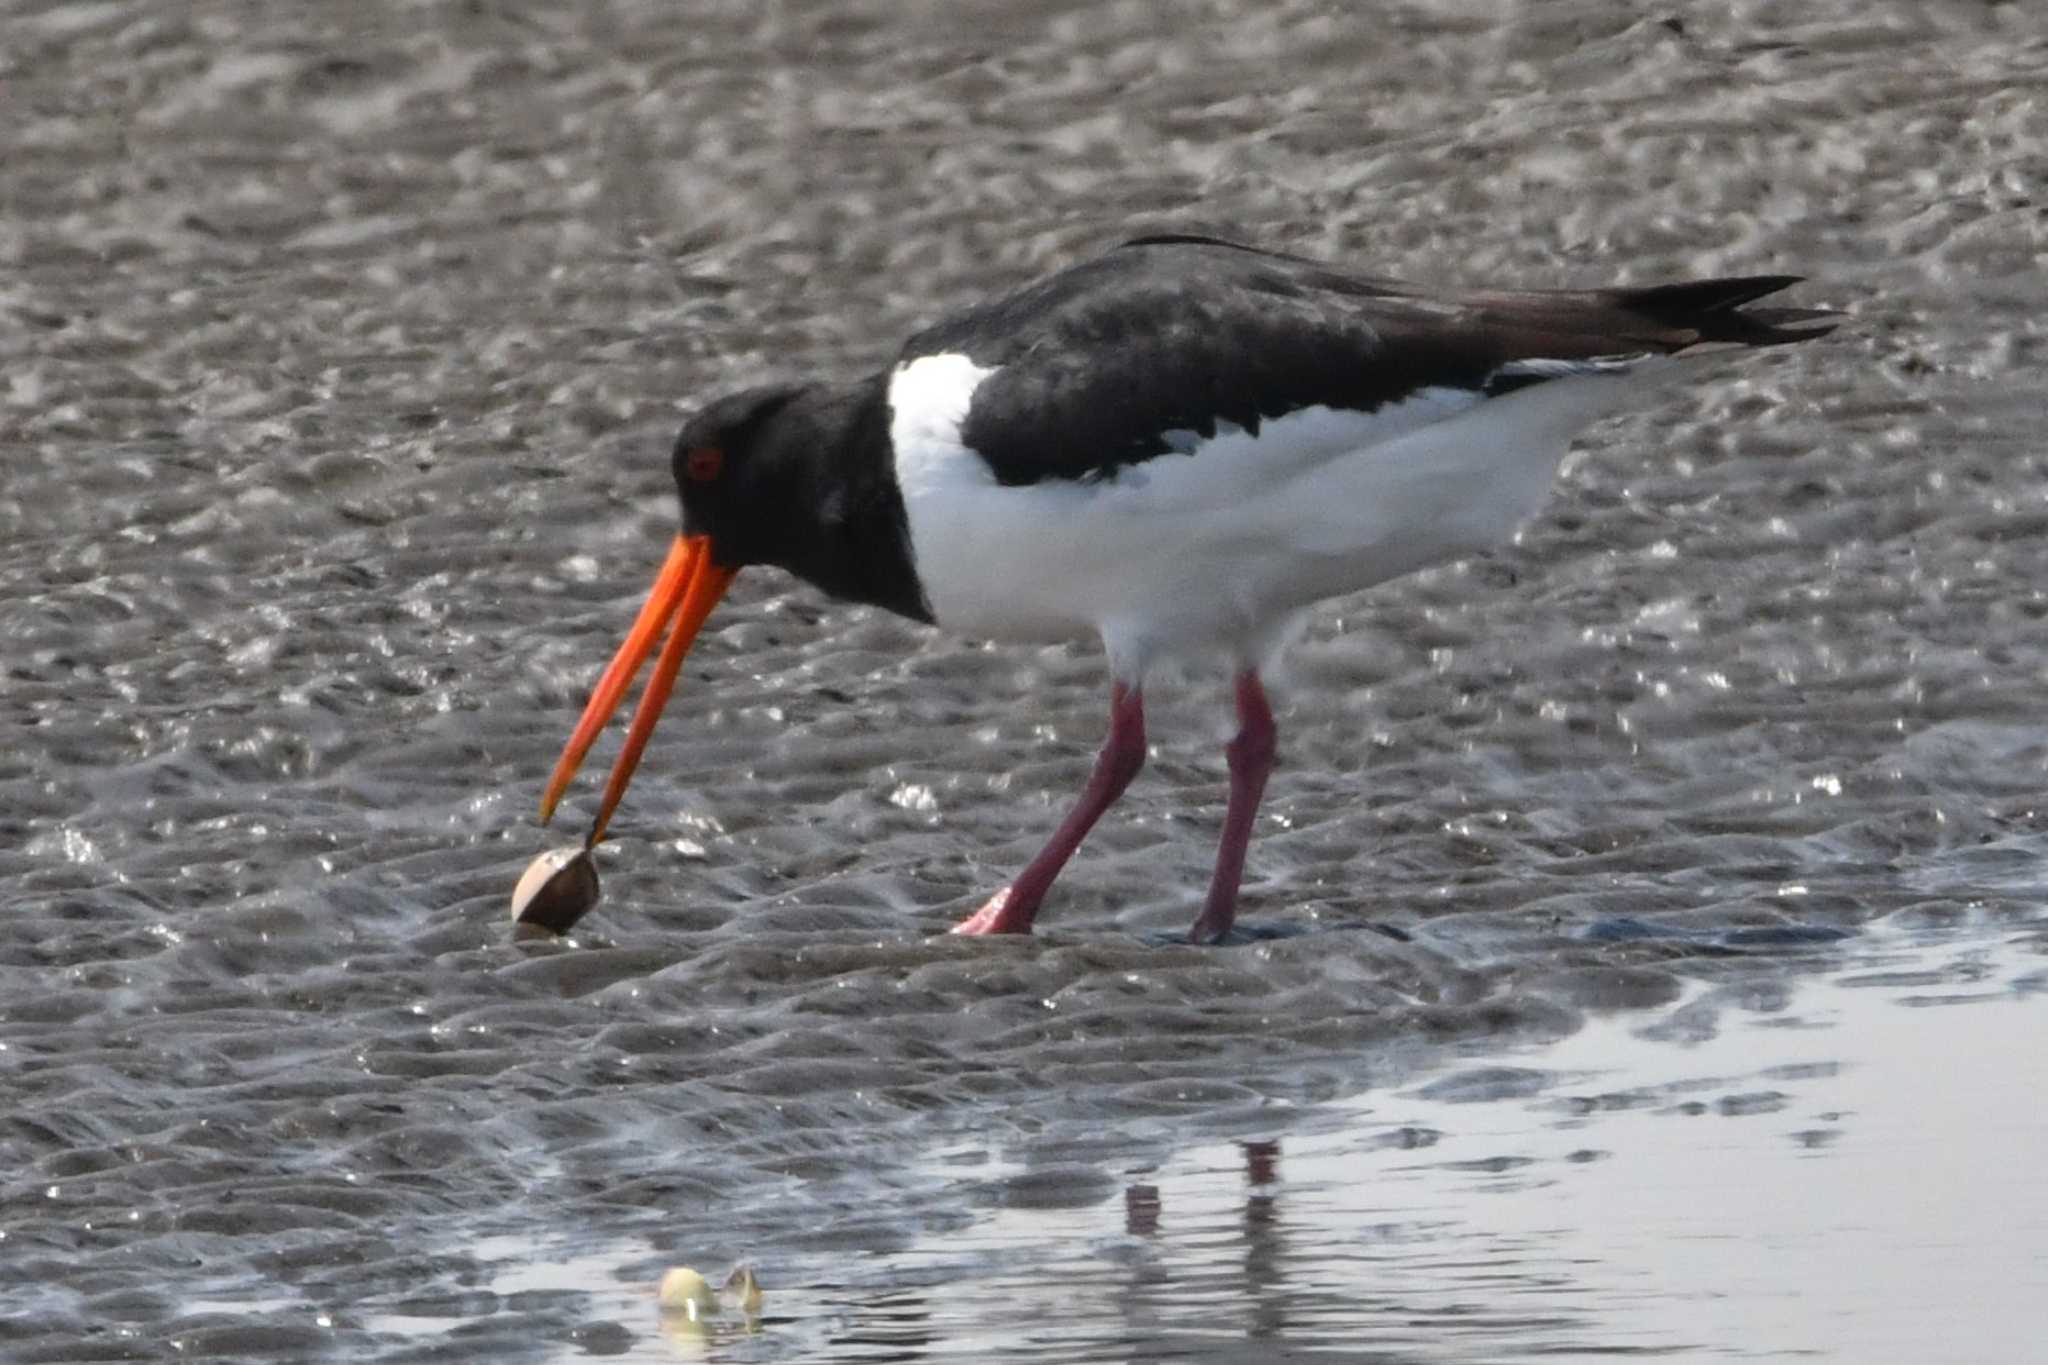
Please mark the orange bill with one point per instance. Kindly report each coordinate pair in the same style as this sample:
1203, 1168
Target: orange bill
687, 588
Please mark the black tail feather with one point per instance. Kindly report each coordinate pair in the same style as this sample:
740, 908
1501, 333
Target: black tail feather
1713, 310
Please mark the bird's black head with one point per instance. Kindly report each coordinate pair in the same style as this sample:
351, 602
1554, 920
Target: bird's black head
729, 469
797, 476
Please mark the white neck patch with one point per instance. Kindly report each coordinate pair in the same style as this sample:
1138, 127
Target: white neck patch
928, 402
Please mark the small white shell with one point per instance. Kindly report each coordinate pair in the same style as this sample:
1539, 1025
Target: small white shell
742, 1291
557, 889
684, 1291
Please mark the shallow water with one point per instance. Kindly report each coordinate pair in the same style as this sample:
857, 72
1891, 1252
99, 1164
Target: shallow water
1840, 1167
339, 349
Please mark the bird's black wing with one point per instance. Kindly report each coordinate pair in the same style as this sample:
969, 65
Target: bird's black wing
1111, 362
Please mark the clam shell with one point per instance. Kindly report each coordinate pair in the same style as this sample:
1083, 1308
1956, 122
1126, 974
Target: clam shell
557, 889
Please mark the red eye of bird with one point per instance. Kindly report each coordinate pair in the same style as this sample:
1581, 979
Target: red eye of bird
702, 464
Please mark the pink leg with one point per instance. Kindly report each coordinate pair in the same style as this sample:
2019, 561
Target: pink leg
1251, 762
1010, 910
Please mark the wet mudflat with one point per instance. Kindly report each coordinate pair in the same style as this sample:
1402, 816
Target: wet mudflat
1839, 1169
341, 347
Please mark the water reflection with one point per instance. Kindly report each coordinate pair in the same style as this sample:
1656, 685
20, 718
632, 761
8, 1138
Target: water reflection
889, 1327
1829, 1169
1843, 1168
1264, 1246
1141, 1210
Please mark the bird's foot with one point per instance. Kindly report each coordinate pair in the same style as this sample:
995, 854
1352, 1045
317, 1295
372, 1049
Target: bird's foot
1213, 925
998, 917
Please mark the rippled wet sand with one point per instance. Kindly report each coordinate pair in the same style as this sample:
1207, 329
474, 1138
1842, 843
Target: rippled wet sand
340, 349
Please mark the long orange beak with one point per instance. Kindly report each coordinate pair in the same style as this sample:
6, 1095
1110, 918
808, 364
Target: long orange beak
687, 588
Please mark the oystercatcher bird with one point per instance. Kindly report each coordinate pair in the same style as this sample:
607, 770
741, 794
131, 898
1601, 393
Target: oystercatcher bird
1177, 447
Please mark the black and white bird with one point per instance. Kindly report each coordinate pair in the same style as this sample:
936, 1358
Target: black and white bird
1178, 448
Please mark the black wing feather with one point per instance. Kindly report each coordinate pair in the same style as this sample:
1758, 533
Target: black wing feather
1176, 332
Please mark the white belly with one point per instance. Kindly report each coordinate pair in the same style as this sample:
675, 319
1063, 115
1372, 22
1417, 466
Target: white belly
1211, 549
